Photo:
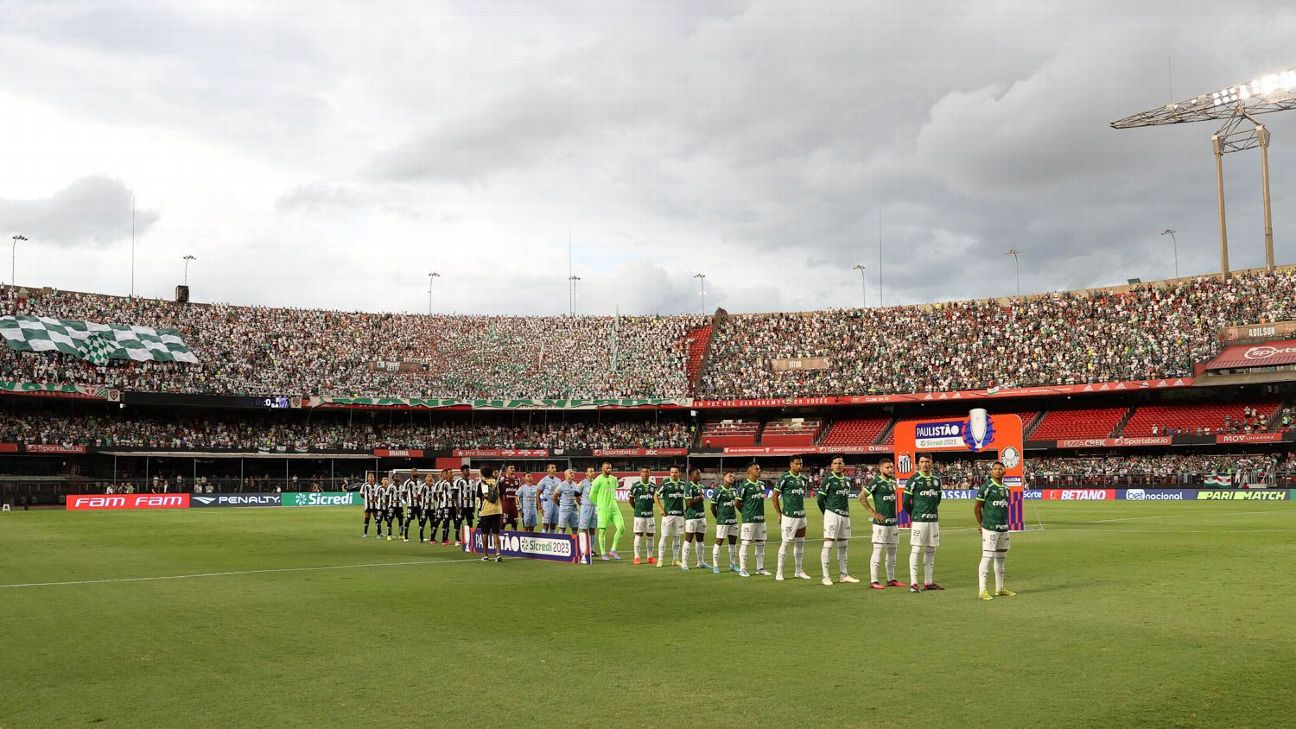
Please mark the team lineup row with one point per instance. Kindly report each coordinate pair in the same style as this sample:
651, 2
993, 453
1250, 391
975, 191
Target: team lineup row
738, 509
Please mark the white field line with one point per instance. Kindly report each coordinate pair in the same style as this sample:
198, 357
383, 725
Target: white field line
238, 572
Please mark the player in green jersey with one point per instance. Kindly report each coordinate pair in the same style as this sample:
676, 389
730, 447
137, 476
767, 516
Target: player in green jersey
694, 520
603, 493
992, 514
751, 504
670, 499
643, 494
922, 500
726, 516
834, 501
879, 497
789, 502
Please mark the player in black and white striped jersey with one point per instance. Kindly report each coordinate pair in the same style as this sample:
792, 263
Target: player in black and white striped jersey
391, 505
368, 494
421, 495
464, 502
440, 506
406, 493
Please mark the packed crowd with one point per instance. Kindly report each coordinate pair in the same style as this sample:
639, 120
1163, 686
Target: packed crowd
249, 350
270, 434
1064, 338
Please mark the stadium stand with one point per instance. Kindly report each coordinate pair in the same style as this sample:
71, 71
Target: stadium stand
855, 431
1203, 419
1084, 423
1147, 331
791, 432
722, 433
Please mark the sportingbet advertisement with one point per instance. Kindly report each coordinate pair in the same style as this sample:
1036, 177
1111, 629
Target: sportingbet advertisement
534, 545
979, 432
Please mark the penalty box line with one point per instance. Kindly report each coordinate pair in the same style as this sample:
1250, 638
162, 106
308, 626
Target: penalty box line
233, 573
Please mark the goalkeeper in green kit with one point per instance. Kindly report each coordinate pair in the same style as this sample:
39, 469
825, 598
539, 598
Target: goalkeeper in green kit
603, 493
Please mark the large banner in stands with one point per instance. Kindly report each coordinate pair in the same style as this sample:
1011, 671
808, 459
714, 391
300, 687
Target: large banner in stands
114, 502
569, 548
634, 403
80, 392
994, 393
52, 448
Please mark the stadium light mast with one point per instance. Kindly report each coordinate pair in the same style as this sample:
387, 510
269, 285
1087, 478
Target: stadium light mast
863, 287
701, 277
433, 275
13, 260
1014, 253
187, 259
1175, 243
571, 294
1237, 106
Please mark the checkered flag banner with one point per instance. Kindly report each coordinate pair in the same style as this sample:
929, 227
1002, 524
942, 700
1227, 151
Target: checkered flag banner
115, 341
98, 349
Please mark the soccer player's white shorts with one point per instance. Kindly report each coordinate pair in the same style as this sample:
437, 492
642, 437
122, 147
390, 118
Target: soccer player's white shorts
644, 525
695, 526
993, 541
753, 531
888, 535
836, 526
924, 534
790, 525
726, 530
672, 525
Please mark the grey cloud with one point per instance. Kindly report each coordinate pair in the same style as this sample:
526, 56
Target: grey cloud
91, 210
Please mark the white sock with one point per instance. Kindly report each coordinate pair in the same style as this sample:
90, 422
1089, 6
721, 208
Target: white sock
981, 573
913, 565
687, 549
890, 562
798, 553
875, 561
715, 555
823, 556
731, 546
782, 554
675, 548
999, 573
841, 557
638, 542
701, 552
929, 565
760, 556
661, 548
742, 556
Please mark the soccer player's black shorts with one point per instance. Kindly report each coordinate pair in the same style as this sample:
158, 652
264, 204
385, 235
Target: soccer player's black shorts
489, 524
416, 512
371, 510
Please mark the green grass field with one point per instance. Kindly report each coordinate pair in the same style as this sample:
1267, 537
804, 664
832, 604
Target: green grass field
1129, 614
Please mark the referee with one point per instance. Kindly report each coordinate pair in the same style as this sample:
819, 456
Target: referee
488, 514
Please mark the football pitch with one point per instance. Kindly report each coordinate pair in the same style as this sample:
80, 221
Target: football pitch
1128, 614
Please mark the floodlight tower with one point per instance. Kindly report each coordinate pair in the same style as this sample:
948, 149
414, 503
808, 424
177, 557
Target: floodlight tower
1238, 107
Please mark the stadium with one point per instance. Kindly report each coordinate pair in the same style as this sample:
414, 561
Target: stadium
245, 508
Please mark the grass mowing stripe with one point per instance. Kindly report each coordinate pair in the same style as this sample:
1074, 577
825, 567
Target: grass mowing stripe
111, 580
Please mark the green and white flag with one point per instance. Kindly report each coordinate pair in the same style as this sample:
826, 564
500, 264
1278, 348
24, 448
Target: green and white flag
112, 341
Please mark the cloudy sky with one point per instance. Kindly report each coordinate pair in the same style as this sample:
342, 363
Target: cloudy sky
331, 156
